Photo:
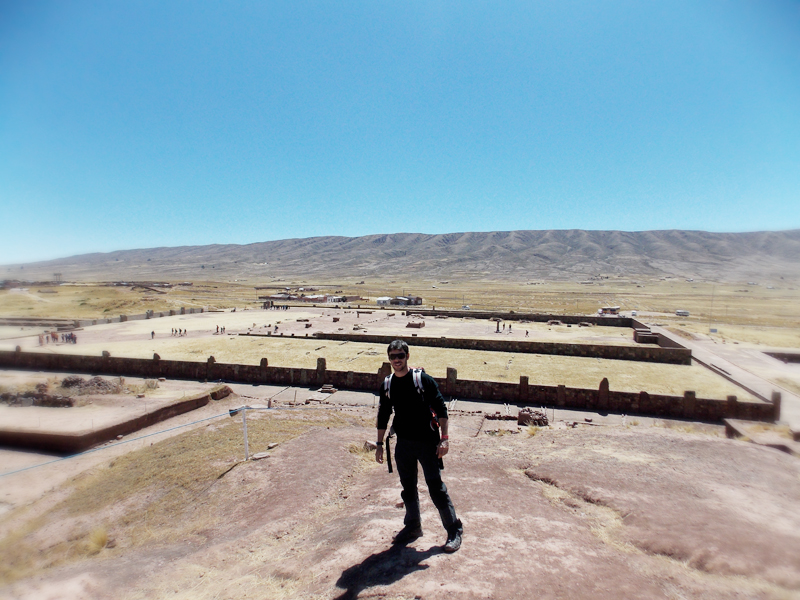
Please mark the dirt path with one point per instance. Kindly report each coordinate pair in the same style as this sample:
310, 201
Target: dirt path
751, 370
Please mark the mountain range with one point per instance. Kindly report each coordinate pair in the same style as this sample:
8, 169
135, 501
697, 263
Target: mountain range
508, 255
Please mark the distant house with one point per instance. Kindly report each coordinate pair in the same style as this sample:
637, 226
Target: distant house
273, 299
279, 297
384, 301
608, 310
406, 300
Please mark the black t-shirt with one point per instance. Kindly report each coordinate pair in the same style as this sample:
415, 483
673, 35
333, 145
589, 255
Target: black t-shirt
412, 413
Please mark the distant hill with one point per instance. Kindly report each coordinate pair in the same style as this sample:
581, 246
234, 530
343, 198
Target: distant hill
513, 255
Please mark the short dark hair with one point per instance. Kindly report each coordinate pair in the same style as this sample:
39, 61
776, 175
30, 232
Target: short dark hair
397, 345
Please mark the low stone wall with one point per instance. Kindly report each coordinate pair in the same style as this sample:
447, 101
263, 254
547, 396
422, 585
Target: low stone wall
139, 317
674, 356
71, 443
601, 399
610, 321
662, 340
787, 357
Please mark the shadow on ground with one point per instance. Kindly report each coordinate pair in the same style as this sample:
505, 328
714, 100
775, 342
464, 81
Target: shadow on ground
384, 568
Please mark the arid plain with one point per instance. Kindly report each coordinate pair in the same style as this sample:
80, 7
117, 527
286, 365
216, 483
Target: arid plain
613, 507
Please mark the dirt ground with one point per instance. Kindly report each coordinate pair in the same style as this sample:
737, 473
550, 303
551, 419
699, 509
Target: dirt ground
612, 511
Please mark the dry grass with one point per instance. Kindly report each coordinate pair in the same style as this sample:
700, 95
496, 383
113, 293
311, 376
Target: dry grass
783, 431
361, 451
97, 540
604, 522
149, 495
709, 303
694, 428
89, 301
628, 376
789, 384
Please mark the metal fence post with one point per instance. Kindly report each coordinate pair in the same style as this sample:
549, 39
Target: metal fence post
244, 427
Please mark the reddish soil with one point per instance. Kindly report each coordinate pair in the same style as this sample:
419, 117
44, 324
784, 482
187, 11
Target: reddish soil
590, 512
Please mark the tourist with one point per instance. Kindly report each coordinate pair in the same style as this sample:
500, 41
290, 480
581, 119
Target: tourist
419, 412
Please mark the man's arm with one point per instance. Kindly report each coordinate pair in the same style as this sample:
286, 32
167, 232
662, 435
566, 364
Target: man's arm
433, 396
379, 449
381, 423
444, 443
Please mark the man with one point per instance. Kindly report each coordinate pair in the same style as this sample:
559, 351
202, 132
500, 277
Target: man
417, 441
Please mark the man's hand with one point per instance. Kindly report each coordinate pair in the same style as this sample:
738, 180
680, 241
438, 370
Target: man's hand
379, 454
442, 449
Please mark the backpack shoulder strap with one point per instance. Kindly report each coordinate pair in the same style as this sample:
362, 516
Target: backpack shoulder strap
387, 385
417, 375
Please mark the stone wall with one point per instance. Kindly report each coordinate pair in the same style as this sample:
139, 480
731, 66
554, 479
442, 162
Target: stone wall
515, 316
601, 399
663, 341
69, 443
675, 356
148, 315
787, 357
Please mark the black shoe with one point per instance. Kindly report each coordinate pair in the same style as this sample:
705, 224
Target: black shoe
453, 542
407, 534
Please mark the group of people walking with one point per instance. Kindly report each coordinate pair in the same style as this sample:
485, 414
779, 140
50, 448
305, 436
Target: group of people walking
178, 332
66, 338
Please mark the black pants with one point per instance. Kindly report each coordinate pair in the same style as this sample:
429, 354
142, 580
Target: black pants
407, 453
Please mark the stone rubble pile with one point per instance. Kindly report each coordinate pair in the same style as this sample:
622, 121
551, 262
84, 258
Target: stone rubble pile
531, 416
95, 385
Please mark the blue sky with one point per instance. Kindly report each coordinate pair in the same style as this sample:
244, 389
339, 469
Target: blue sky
140, 124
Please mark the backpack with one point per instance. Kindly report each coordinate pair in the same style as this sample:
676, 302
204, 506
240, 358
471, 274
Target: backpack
416, 375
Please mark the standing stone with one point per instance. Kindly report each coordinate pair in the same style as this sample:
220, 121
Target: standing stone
602, 395
732, 407
689, 405
644, 402
523, 388
452, 377
321, 367
210, 368
776, 404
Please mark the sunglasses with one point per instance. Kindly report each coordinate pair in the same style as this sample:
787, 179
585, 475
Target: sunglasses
398, 356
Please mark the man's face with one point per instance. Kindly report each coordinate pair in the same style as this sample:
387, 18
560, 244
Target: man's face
398, 360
